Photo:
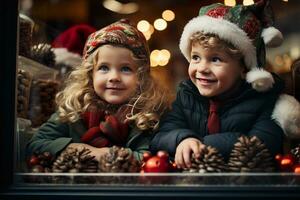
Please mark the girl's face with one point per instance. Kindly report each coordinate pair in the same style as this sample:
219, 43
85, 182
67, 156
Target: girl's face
213, 71
115, 77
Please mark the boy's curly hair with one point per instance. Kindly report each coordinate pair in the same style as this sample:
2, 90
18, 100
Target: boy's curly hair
147, 105
208, 40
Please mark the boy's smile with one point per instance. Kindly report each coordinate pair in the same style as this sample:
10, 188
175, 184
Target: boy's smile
213, 71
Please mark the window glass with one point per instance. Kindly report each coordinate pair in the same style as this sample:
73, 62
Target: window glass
52, 36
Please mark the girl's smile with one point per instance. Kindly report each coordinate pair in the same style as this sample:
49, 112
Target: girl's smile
115, 74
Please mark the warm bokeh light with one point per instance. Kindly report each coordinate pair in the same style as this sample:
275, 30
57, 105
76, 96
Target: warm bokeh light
160, 24
285, 0
143, 26
154, 58
147, 35
166, 54
159, 57
278, 60
121, 8
248, 2
295, 52
151, 29
229, 2
168, 15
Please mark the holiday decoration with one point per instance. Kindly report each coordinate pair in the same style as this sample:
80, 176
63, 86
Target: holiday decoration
289, 162
157, 164
43, 53
250, 155
68, 46
119, 159
296, 168
40, 162
23, 92
25, 35
248, 28
42, 97
75, 160
210, 160
296, 153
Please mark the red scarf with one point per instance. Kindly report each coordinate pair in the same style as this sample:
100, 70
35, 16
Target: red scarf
213, 122
104, 130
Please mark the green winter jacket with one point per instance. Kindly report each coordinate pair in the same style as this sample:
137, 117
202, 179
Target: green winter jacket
53, 136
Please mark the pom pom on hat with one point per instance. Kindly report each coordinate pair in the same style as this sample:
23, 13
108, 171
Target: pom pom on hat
244, 27
68, 46
272, 37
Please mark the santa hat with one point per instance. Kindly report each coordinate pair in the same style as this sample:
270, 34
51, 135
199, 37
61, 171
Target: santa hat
68, 46
120, 33
248, 28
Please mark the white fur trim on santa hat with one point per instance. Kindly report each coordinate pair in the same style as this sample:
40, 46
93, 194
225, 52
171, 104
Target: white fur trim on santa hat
287, 114
63, 56
225, 30
272, 37
260, 79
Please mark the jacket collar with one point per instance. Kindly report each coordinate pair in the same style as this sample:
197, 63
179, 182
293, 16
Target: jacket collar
245, 90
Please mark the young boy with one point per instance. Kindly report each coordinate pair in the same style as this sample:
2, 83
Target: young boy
227, 95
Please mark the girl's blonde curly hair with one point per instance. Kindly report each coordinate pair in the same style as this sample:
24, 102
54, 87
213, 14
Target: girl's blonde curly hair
147, 105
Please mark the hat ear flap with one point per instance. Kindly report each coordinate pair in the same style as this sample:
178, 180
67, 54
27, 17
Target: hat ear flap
272, 37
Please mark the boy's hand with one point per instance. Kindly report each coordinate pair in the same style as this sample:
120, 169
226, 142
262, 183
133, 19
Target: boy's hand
184, 151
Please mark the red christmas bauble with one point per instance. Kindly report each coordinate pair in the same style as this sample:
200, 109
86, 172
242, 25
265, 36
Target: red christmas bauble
156, 165
146, 156
163, 155
34, 160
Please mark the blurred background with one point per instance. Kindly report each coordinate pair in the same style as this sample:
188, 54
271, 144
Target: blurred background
162, 22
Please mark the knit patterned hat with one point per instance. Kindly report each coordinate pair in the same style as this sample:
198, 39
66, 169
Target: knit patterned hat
119, 33
248, 28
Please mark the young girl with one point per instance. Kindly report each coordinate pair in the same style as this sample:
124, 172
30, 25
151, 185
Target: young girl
110, 99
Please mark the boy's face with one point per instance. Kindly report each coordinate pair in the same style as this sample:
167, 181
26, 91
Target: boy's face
213, 71
115, 77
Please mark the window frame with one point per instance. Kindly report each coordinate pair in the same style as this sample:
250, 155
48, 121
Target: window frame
8, 190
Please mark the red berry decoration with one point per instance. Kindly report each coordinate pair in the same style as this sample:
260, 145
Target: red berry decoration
278, 158
297, 168
287, 163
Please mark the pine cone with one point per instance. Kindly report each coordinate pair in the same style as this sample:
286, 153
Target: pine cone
75, 160
296, 153
44, 54
250, 155
119, 159
209, 161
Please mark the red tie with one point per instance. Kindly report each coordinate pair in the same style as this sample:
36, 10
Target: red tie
213, 122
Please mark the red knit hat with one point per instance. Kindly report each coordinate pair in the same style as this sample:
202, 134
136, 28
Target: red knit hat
68, 46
